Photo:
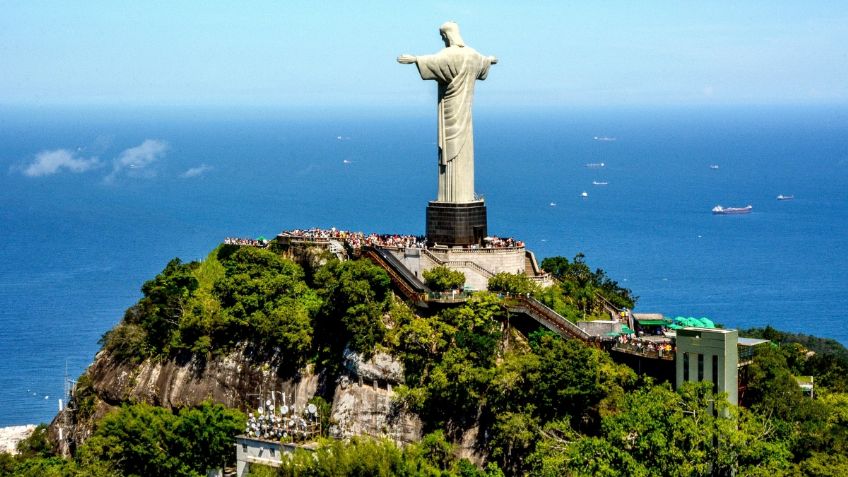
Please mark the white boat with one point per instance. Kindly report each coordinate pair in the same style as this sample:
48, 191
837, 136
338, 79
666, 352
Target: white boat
713, 166
553, 204
595, 165
600, 182
604, 138
785, 197
584, 194
719, 210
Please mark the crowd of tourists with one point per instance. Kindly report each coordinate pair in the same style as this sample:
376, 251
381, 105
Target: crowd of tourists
645, 346
246, 241
360, 239
497, 242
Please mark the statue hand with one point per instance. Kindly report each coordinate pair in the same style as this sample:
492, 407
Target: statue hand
406, 59
493, 60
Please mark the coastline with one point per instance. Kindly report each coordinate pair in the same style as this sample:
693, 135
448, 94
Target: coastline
11, 435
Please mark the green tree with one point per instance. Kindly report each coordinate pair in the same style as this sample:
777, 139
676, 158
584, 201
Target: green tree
449, 360
157, 315
354, 293
515, 283
824, 464
164, 300
771, 388
443, 278
36, 444
138, 440
366, 457
207, 435
143, 440
688, 432
126, 342
264, 299
579, 279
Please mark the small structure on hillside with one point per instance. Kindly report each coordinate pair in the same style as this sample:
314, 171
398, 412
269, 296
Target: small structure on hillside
709, 354
253, 450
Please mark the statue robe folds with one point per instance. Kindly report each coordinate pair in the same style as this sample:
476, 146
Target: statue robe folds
455, 68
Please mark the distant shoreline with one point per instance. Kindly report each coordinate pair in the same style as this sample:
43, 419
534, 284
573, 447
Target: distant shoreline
10, 436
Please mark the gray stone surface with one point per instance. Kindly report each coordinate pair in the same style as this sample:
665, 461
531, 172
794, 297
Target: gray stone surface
381, 366
455, 68
599, 327
10, 436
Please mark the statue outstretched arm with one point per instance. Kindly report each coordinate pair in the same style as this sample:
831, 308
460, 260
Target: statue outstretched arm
493, 60
407, 59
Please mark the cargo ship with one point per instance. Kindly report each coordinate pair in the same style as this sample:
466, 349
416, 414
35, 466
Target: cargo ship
719, 210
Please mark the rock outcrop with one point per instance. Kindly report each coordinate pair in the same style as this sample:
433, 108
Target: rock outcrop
362, 400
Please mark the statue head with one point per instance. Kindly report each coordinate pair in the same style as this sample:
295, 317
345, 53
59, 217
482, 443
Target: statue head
450, 34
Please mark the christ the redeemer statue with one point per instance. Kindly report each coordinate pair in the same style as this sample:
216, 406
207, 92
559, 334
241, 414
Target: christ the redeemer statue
455, 68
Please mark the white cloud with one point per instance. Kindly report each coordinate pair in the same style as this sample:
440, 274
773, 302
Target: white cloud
50, 162
136, 159
196, 171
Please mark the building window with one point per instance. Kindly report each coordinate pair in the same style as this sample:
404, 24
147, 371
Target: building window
244, 448
700, 367
685, 367
272, 452
715, 373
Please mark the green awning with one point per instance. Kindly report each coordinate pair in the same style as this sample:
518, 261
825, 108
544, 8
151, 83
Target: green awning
625, 330
652, 322
689, 321
708, 323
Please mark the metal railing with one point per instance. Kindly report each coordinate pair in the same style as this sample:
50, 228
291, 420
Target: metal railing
401, 282
642, 349
549, 318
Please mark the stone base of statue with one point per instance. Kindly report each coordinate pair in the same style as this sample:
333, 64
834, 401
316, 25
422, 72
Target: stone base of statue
456, 224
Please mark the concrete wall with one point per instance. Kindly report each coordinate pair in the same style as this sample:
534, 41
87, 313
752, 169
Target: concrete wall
250, 450
411, 259
599, 327
510, 260
701, 345
256, 451
495, 260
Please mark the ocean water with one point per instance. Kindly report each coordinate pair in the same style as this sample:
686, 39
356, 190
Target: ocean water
77, 246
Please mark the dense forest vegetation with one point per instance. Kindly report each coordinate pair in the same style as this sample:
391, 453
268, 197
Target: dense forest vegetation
541, 405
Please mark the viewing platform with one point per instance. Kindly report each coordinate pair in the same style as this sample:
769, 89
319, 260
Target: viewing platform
660, 348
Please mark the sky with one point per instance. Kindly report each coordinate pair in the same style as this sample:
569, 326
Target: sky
343, 54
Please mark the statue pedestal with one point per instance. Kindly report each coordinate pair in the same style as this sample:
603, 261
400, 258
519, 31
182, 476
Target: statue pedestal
456, 224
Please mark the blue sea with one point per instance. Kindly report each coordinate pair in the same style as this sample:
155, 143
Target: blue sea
78, 243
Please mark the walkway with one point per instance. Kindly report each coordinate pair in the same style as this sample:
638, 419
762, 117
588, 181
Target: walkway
410, 286
414, 290
548, 318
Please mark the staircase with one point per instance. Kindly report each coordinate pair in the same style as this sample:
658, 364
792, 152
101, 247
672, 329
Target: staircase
548, 318
408, 284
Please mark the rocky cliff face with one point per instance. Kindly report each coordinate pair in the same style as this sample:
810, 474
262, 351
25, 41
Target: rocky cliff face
362, 399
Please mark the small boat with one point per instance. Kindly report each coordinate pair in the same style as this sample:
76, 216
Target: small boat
553, 204
584, 194
785, 197
604, 138
600, 182
595, 165
719, 210
713, 166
